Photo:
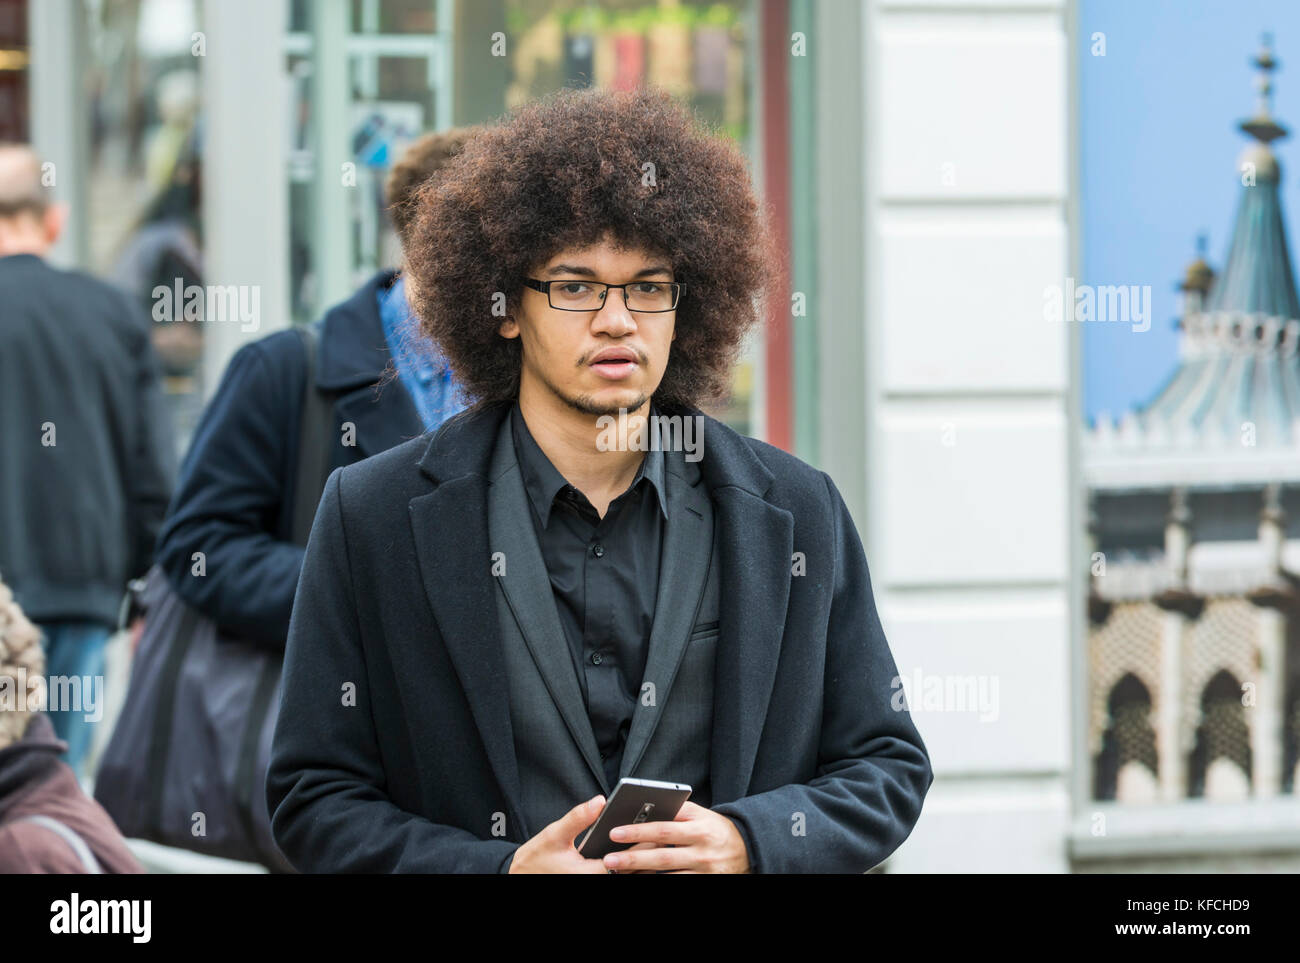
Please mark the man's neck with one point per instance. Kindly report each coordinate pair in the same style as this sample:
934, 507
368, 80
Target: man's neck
569, 438
8, 249
22, 238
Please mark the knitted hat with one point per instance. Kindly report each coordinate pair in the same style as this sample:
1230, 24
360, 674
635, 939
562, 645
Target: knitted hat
20, 649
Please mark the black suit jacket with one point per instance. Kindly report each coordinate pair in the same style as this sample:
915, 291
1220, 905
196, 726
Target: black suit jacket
393, 749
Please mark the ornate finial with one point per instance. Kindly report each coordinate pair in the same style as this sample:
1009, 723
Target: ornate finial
1262, 126
1264, 59
1199, 275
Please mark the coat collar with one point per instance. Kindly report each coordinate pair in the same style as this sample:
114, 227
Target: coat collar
754, 543
353, 366
353, 352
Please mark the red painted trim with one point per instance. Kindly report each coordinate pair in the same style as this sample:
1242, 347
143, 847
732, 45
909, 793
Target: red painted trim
774, 76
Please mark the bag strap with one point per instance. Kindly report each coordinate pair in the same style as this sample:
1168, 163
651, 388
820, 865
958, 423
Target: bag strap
69, 836
314, 447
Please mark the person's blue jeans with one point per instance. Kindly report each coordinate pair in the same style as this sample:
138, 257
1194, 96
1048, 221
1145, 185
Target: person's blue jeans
75, 650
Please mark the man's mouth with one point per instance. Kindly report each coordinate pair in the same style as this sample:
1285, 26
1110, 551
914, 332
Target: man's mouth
614, 364
614, 370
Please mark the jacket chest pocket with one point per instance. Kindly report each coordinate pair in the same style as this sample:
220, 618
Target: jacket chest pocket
704, 630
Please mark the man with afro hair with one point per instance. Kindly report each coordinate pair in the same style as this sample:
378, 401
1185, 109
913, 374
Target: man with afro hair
582, 577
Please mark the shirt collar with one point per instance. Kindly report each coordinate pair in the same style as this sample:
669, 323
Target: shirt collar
543, 482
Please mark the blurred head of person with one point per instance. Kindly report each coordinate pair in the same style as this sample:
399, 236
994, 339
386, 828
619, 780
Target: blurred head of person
178, 97
22, 670
582, 188
29, 222
423, 158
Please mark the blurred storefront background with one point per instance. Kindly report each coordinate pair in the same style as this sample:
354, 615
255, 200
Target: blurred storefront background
167, 119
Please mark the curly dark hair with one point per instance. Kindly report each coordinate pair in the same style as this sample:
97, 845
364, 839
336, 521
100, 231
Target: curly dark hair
566, 171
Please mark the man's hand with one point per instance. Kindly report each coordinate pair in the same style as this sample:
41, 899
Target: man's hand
697, 841
552, 849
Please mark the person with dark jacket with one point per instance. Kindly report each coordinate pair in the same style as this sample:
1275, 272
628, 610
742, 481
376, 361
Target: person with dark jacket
584, 578
84, 441
226, 544
47, 824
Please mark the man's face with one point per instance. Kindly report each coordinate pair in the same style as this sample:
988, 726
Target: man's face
596, 362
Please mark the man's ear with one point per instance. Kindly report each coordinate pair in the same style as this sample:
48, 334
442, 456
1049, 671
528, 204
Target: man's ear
509, 328
53, 220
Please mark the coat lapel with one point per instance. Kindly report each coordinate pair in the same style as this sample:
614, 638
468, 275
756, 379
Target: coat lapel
528, 590
683, 568
450, 530
755, 541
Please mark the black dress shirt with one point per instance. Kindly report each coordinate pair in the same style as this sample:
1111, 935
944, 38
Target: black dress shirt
604, 573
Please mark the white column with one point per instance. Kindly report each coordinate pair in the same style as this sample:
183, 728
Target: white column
57, 108
1267, 715
332, 197
973, 518
245, 182
1172, 753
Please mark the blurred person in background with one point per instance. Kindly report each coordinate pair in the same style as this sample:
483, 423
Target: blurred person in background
234, 499
163, 249
417, 362
47, 824
84, 440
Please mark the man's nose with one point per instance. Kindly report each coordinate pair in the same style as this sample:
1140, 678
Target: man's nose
614, 318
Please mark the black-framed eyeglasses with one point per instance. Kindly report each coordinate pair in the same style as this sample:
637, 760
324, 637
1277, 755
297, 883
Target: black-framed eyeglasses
648, 297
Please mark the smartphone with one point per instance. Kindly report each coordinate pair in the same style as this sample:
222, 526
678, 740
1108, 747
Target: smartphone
632, 801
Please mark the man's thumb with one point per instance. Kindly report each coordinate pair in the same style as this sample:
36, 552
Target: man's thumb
583, 815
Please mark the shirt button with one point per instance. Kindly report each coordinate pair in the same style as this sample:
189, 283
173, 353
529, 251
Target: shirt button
598, 550
596, 658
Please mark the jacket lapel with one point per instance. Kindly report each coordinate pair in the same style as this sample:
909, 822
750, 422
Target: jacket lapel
524, 580
683, 568
450, 530
755, 541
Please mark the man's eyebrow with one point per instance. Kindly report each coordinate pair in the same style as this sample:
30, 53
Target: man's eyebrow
586, 272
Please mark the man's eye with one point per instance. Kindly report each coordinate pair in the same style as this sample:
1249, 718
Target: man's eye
648, 287
572, 288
